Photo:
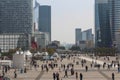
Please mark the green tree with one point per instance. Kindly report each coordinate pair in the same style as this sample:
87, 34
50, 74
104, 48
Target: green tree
50, 51
77, 48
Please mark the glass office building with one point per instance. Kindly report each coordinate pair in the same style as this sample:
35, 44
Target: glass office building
42, 18
102, 24
13, 41
16, 23
16, 16
45, 19
88, 34
78, 35
114, 19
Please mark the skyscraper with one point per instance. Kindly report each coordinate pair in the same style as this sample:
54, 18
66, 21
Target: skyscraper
16, 24
102, 24
42, 26
45, 19
42, 18
114, 19
16, 16
78, 35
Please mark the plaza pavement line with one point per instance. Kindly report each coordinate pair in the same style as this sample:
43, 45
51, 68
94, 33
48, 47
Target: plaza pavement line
103, 74
90, 59
40, 75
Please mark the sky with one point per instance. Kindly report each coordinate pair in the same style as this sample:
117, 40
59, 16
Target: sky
67, 15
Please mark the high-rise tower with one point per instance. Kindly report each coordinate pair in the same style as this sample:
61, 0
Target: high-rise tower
102, 24
16, 24
45, 19
78, 35
114, 11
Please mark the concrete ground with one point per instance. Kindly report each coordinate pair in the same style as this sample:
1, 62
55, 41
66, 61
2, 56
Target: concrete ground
92, 74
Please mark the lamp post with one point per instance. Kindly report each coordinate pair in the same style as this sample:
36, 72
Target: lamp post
0, 54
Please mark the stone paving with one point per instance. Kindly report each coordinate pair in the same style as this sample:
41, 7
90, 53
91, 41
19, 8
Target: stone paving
92, 74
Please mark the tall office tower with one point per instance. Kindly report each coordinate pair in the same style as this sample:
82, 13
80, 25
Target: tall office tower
16, 16
78, 35
16, 24
45, 19
42, 38
102, 24
36, 13
115, 20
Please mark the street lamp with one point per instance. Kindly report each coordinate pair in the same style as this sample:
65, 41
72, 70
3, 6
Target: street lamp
0, 54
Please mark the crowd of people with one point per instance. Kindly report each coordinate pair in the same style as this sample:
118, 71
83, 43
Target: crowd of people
67, 68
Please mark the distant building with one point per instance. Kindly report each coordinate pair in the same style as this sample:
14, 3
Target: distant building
78, 35
54, 44
45, 19
42, 25
85, 38
42, 19
41, 38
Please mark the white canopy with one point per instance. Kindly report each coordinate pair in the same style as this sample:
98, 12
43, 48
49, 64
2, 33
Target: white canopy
56, 54
28, 53
45, 53
19, 52
38, 53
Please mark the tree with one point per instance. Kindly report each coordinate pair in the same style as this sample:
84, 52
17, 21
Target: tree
77, 48
50, 51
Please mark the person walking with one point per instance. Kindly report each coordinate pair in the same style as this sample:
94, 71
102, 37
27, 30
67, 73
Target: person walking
113, 76
86, 68
54, 76
66, 75
1, 78
81, 76
15, 74
118, 69
76, 75
57, 76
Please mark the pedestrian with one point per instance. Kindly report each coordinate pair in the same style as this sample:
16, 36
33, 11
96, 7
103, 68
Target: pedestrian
1, 78
81, 76
82, 64
25, 70
76, 74
42, 67
86, 68
113, 76
15, 74
21, 70
64, 66
3, 73
6, 69
57, 76
54, 76
91, 65
71, 71
66, 75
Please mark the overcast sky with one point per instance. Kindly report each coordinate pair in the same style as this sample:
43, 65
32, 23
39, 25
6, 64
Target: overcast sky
68, 15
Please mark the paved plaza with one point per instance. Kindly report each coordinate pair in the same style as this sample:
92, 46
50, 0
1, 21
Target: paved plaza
91, 74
